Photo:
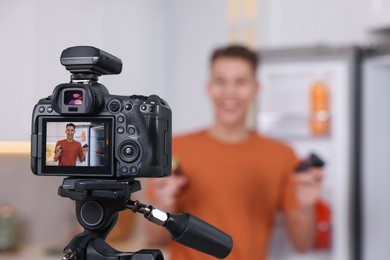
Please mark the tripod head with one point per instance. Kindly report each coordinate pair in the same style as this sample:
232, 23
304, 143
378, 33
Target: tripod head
98, 202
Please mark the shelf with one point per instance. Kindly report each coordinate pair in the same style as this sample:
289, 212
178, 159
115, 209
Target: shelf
287, 126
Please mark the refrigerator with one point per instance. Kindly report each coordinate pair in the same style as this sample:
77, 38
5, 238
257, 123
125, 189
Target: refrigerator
97, 154
93, 135
286, 111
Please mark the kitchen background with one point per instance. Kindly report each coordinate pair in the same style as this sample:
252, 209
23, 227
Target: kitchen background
336, 48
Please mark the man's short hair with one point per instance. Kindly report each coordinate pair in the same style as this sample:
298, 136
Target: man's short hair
70, 124
236, 51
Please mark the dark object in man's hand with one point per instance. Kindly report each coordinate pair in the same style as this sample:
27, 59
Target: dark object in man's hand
312, 161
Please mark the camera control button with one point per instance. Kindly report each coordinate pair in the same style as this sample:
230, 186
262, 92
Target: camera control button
120, 130
143, 107
121, 119
124, 170
129, 151
41, 109
131, 130
49, 109
128, 106
152, 109
114, 106
133, 170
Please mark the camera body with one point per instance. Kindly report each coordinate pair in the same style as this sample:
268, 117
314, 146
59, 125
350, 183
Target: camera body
82, 130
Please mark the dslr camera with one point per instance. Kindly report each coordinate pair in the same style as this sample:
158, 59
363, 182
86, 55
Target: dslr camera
102, 142
81, 130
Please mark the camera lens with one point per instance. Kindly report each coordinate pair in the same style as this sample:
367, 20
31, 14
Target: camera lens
129, 151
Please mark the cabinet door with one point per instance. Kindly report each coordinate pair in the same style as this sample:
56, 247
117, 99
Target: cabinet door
378, 14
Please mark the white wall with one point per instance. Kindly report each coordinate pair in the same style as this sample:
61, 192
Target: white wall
308, 22
35, 32
196, 27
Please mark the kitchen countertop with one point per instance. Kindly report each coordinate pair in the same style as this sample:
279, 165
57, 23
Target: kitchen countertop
29, 252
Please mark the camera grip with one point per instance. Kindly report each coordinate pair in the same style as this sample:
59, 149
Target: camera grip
153, 141
198, 234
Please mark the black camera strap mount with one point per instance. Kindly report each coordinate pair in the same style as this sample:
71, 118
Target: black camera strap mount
98, 202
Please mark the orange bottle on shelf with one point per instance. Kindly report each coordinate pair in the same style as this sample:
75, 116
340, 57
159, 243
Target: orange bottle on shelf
83, 136
319, 102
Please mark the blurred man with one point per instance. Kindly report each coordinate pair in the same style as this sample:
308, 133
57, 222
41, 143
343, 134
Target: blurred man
233, 177
68, 150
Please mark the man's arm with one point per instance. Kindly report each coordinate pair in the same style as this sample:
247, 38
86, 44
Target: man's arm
301, 224
57, 152
301, 228
82, 152
164, 190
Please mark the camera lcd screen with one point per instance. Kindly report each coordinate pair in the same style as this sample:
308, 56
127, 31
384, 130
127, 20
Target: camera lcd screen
77, 146
73, 97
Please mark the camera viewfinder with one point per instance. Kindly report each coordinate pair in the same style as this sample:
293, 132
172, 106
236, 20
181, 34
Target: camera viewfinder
73, 97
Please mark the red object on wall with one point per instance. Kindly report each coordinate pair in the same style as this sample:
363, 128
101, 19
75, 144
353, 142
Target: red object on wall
323, 219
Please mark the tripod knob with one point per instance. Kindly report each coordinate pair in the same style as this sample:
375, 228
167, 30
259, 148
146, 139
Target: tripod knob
69, 254
91, 213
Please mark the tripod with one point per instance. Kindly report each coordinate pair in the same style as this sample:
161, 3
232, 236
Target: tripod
98, 202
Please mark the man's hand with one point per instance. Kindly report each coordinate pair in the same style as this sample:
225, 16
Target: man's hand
167, 189
301, 223
57, 153
309, 186
85, 150
58, 150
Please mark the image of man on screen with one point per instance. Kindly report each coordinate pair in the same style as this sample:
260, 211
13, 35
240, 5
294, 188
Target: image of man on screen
68, 150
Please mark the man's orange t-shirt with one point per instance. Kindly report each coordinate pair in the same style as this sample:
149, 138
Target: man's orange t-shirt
235, 187
70, 152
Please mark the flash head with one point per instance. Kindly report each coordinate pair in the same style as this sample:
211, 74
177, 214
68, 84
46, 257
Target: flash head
87, 62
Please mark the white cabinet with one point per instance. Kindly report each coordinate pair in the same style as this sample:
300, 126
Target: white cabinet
376, 13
